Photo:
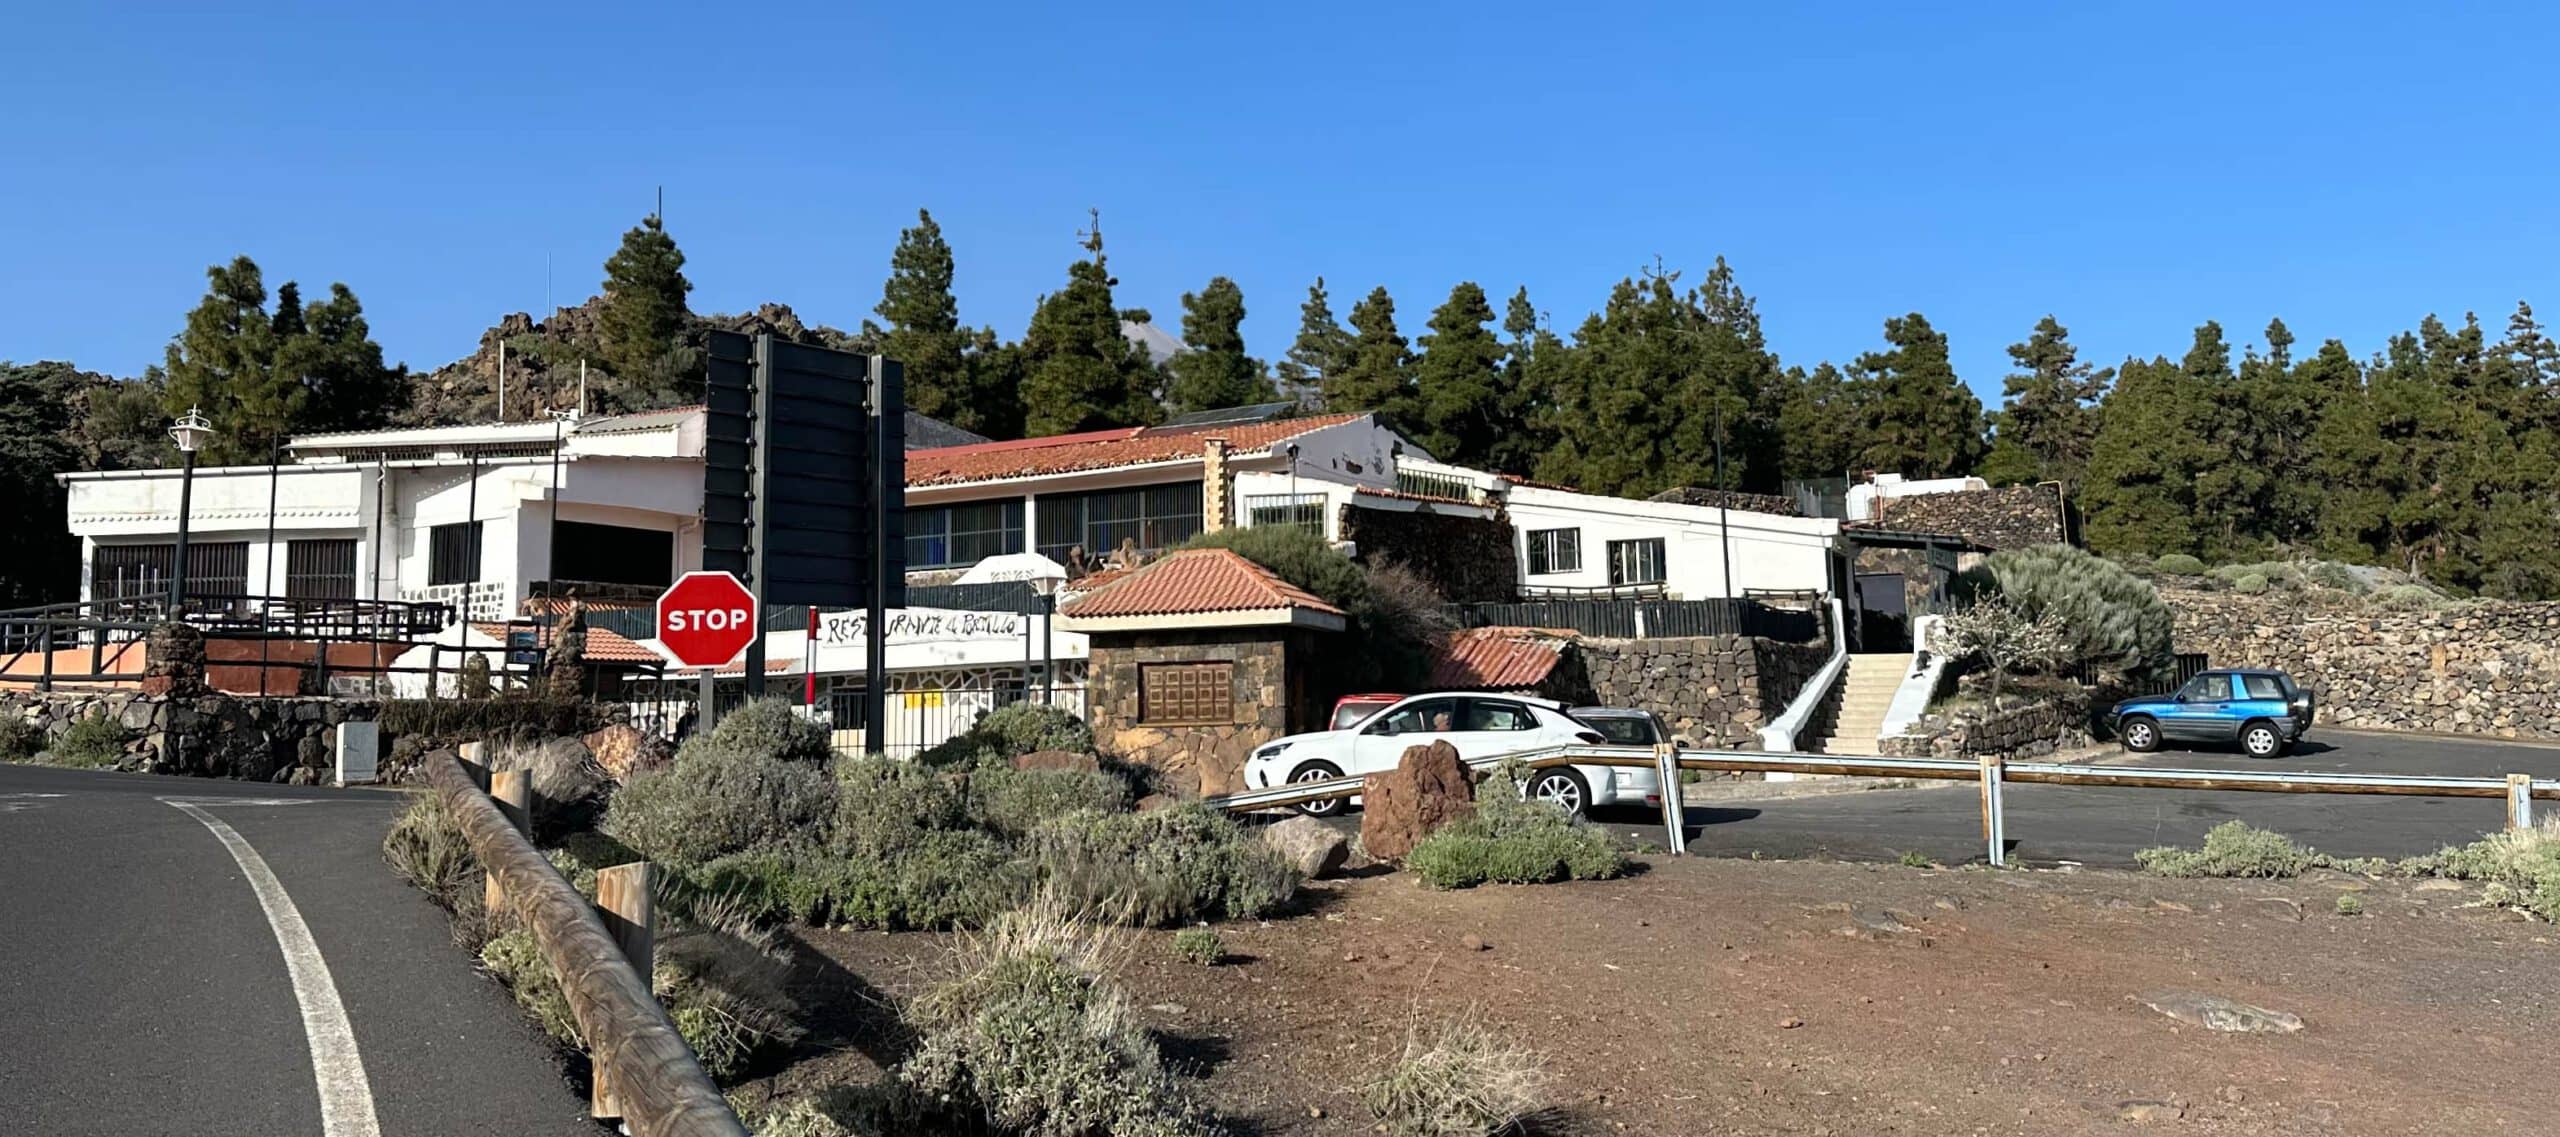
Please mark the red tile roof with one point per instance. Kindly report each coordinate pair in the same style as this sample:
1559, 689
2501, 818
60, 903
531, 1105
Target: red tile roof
1496, 659
1099, 450
603, 645
1195, 582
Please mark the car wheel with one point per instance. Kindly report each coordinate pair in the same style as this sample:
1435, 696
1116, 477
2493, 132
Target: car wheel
2141, 735
1561, 787
2261, 740
1319, 772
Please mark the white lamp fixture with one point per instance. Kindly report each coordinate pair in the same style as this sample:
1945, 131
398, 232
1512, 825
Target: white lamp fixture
192, 431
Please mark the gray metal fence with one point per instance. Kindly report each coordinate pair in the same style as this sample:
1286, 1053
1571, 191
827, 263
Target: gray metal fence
1637, 619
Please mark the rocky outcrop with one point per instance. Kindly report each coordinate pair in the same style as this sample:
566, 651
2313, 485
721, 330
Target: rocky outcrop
2481, 667
1714, 691
1730, 499
542, 361
622, 751
1309, 845
2029, 725
2009, 517
1430, 787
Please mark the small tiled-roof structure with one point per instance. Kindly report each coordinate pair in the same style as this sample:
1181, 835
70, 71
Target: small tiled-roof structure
1198, 588
604, 645
1099, 450
1497, 659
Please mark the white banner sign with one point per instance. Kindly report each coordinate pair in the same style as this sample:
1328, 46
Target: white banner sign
922, 625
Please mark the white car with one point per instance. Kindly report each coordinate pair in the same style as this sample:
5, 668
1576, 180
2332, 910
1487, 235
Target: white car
1477, 725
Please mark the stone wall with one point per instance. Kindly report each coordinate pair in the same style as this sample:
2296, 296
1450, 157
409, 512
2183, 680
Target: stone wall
1729, 499
2005, 518
1469, 559
1715, 691
2482, 667
1193, 758
205, 735
2047, 720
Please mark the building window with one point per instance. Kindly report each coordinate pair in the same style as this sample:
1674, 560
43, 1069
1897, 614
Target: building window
1555, 550
1154, 518
956, 536
453, 553
1285, 510
1186, 693
124, 572
1636, 562
613, 554
320, 569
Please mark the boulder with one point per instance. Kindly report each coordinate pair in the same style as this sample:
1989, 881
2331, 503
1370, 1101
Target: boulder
1058, 760
1310, 845
622, 751
1429, 788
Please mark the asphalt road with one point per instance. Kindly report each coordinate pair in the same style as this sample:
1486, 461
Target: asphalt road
2047, 824
145, 988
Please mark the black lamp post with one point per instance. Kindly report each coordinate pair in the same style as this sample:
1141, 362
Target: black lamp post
1046, 587
190, 433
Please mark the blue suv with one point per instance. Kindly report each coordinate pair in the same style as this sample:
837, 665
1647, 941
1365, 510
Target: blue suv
2264, 711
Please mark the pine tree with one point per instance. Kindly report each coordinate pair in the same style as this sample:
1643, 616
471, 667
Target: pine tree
1378, 376
1525, 411
39, 562
1657, 380
643, 318
2283, 407
2140, 488
287, 321
346, 385
225, 364
1920, 420
1215, 372
1322, 348
1818, 420
2051, 417
1458, 380
950, 374
1079, 371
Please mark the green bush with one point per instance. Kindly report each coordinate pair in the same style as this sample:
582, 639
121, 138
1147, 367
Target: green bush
883, 803
2332, 575
2520, 867
728, 998
2115, 619
721, 796
2410, 597
2178, 564
1009, 732
1513, 841
1459, 1082
1014, 802
770, 726
511, 718
2233, 849
19, 739
1157, 867
2252, 583
1199, 945
94, 742
1388, 645
517, 962
933, 879
1029, 1034
2350, 904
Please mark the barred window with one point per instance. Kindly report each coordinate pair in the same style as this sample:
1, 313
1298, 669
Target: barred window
322, 568
1153, 517
1186, 693
453, 553
955, 536
1555, 550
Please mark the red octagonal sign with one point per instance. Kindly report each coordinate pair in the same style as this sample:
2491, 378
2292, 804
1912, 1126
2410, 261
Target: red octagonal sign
706, 619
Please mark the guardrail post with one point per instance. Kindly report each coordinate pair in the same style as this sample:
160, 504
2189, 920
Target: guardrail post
1994, 825
512, 790
2519, 801
475, 762
624, 900
1675, 812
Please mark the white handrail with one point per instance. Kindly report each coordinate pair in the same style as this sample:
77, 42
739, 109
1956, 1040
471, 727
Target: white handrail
1781, 732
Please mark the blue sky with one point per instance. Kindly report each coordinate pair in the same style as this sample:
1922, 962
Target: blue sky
2132, 168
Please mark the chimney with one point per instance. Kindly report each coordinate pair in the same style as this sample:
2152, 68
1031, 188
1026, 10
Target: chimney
1217, 486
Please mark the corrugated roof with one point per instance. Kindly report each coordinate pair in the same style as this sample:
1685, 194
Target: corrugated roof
1099, 450
1195, 582
1496, 659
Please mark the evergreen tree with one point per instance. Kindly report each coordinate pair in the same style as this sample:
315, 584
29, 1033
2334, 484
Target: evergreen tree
1818, 421
1525, 411
1657, 380
1079, 371
643, 319
950, 372
2283, 407
1215, 372
1322, 348
287, 321
345, 384
1378, 375
225, 364
1920, 419
2141, 482
1458, 381
39, 562
2045, 431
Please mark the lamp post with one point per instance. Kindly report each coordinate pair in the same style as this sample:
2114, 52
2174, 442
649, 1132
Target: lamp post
190, 433
1047, 589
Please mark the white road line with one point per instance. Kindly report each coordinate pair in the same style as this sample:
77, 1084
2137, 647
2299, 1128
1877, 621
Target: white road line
346, 1098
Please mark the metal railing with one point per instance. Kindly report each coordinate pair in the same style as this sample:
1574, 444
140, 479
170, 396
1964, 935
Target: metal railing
1642, 619
2519, 791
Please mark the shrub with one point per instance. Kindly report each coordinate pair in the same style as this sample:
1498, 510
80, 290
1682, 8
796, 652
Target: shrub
720, 797
2115, 619
1510, 840
2178, 564
19, 739
2252, 583
1199, 945
1009, 732
94, 742
1459, 1082
1029, 1033
945, 878
2350, 904
427, 849
1157, 867
2412, 597
2521, 868
727, 997
2332, 575
2233, 849
2006, 639
1014, 802
770, 726
517, 962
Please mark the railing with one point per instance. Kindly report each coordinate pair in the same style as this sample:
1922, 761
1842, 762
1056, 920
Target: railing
1304, 511
103, 641
1430, 484
1640, 619
1781, 733
2518, 790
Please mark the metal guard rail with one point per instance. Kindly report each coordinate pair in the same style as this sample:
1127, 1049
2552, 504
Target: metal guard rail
1943, 769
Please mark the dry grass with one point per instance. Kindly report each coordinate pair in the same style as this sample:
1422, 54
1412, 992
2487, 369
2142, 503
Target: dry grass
1457, 1081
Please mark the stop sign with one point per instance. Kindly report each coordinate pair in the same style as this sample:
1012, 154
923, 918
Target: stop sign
706, 619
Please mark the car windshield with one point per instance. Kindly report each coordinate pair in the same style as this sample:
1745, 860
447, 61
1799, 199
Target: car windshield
1622, 730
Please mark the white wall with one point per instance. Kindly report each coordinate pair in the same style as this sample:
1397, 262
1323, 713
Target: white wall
1768, 551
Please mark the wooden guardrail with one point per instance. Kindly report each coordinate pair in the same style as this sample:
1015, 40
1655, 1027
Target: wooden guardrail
657, 1086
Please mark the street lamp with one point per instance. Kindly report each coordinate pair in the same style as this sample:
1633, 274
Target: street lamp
190, 433
1047, 589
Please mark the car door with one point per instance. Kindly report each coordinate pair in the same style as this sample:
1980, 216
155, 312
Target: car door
2199, 713
1487, 727
1385, 737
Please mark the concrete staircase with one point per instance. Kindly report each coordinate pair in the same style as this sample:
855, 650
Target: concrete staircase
1866, 692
